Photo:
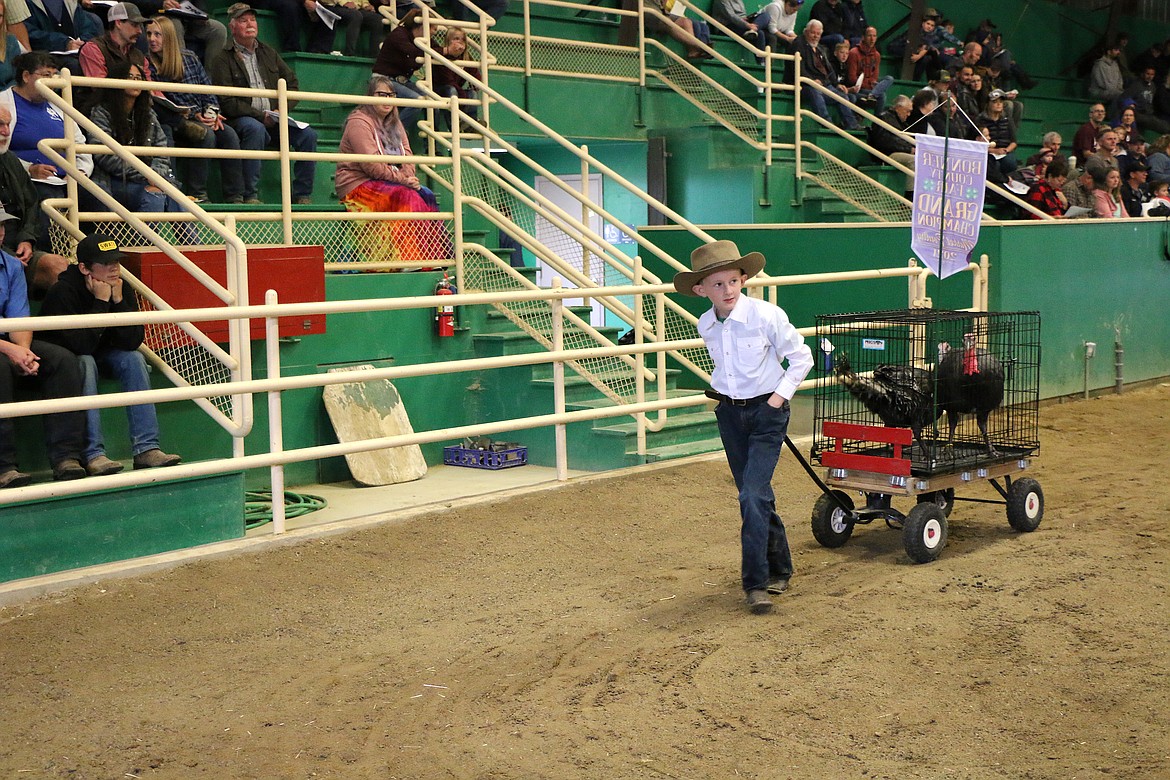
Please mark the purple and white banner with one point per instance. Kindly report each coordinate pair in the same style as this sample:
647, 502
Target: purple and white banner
944, 221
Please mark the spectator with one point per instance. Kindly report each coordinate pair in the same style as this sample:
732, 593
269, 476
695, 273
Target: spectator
1159, 198
1045, 194
207, 36
1049, 147
54, 371
1085, 141
864, 63
16, 14
399, 58
1107, 150
778, 20
1001, 133
1127, 128
357, 16
203, 127
23, 204
946, 120
949, 44
855, 22
1134, 153
1150, 57
1078, 191
840, 70
816, 66
1107, 194
126, 115
34, 119
62, 26
1105, 81
389, 186
94, 286
964, 92
1159, 159
928, 60
922, 106
117, 45
1144, 94
733, 15
248, 63
452, 43
1013, 109
972, 56
893, 144
832, 16
1134, 192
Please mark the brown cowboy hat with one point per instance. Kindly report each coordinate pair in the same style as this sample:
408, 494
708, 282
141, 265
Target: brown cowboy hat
716, 256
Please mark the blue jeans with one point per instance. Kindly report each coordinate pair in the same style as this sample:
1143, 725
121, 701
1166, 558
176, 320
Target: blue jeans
818, 101
231, 172
254, 135
130, 369
752, 438
878, 93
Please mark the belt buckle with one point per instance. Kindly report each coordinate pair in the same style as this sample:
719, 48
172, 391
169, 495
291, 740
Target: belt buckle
739, 401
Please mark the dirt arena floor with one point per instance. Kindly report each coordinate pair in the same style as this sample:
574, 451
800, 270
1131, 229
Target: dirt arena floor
598, 631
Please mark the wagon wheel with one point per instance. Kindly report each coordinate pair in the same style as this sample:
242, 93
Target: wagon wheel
944, 499
831, 525
1025, 504
924, 532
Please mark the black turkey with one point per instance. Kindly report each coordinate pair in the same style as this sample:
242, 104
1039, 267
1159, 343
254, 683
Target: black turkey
970, 381
901, 396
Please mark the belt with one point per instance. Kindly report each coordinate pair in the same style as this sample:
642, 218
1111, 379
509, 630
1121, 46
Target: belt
721, 398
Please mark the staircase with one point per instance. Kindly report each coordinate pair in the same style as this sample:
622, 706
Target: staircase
593, 445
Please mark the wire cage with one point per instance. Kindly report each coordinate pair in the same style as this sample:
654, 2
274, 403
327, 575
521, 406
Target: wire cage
930, 371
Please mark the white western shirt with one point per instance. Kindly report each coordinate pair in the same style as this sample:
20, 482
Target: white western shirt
749, 348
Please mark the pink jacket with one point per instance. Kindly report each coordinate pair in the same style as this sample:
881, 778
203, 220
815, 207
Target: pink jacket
1104, 205
361, 136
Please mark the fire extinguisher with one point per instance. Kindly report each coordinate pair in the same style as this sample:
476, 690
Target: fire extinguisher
445, 315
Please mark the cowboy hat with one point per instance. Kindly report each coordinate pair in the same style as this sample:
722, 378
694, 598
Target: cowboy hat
716, 256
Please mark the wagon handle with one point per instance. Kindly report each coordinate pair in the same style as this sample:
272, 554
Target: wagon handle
815, 478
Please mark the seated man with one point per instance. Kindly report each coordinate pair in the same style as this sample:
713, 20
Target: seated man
248, 63
64, 26
816, 65
28, 361
24, 204
733, 14
94, 286
864, 61
1078, 192
117, 45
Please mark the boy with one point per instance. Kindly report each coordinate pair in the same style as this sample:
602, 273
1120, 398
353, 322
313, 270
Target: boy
94, 286
749, 339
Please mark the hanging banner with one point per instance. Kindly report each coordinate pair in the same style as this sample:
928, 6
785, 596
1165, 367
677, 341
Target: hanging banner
947, 209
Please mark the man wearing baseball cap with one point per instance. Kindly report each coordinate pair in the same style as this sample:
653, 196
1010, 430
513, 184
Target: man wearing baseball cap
52, 370
94, 286
249, 63
123, 28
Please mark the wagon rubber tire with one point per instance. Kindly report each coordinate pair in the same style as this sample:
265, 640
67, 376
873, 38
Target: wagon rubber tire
924, 532
944, 499
831, 525
1025, 505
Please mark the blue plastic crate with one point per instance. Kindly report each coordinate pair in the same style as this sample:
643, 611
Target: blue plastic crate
485, 459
